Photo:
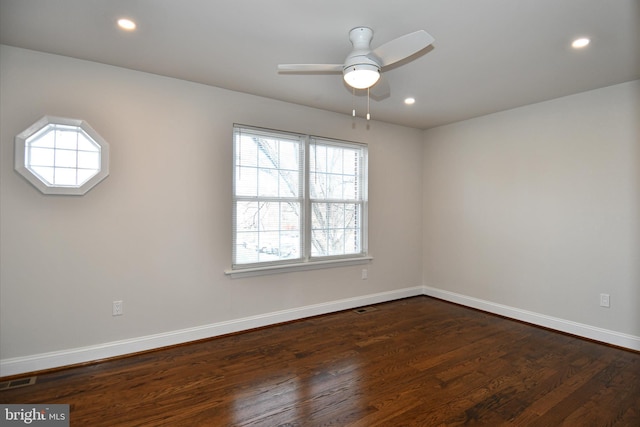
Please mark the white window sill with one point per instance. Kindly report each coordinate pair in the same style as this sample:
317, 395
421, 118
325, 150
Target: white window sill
302, 266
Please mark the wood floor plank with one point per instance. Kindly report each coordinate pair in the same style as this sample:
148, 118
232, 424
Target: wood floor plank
413, 362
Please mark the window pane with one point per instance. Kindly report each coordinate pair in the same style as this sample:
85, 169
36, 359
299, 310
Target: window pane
352, 241
65, 177
334, 187
85, 144
88, 160
352, 216
334, 228
278, 161
42, 139
275, 235
246, 151
349, 191
66, 140
247, 248
247, 216
334, 160
290, 155
270, 216
246, 181
289, 183
45, 173
66, 159
290, 245
268, 182
318, 158
319, 243
290, 216
40, 157
351, 161
318, 185
267, 153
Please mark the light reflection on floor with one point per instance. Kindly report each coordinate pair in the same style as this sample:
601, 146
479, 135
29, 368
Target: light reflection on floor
290, 398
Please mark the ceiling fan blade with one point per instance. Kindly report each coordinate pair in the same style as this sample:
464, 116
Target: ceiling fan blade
310, 68
402, 47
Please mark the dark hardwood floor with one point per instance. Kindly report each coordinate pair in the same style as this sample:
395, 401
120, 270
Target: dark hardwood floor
412, 362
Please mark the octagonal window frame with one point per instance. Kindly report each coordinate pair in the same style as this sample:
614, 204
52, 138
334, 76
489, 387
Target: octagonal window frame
48, 124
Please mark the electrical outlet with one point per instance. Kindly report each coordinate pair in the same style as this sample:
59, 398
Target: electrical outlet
365, 274
118, 308
604, 300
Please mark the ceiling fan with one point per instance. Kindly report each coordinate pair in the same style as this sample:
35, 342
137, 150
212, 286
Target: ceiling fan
361, 69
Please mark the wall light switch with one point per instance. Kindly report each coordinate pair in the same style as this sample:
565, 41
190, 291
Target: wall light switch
604, 300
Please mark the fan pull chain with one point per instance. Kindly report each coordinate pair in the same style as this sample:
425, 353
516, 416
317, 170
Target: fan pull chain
353, 110
353, 104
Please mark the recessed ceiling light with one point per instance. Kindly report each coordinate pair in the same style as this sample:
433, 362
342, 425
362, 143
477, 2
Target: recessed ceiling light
410, 101
580, 43
126, 24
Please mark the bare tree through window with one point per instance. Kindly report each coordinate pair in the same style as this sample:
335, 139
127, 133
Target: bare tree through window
270, 185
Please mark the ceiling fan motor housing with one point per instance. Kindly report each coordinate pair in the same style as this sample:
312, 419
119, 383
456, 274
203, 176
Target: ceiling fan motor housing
366, 69
361, 38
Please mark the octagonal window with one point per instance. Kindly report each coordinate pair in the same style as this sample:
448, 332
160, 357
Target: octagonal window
62, 156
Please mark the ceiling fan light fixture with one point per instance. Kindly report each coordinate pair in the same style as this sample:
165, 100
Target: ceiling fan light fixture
361, 76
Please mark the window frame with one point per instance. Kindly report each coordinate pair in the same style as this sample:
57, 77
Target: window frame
314, 141
81, 126
306, 260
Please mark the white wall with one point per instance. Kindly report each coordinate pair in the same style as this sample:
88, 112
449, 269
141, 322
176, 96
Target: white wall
157, 232
534, 209
537, 210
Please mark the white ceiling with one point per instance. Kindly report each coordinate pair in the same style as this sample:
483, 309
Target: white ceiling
488, 55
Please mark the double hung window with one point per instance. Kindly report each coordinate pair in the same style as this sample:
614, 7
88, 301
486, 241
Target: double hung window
297, 198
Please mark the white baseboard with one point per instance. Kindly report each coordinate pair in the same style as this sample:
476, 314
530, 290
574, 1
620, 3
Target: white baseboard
43, 361
585, 331
57, 359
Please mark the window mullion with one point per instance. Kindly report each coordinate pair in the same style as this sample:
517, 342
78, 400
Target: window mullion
307, 212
